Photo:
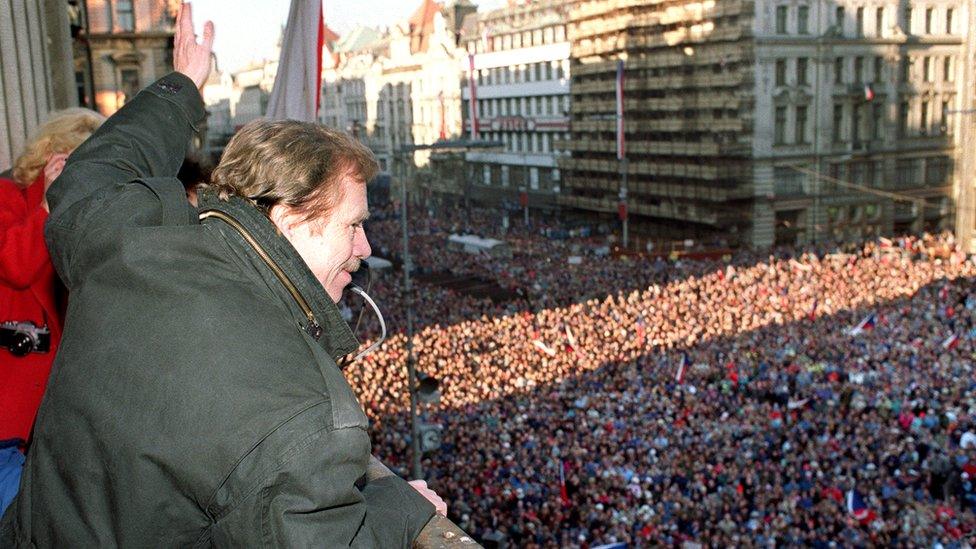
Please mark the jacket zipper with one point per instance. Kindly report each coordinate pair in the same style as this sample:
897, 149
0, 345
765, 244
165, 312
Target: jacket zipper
313, 328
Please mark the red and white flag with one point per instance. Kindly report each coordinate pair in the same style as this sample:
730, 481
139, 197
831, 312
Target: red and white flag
868, 93
563, 492
950, 342
298, 83
621, 147
679, 376
571, 340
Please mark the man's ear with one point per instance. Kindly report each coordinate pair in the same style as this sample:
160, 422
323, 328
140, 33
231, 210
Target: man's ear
284, 218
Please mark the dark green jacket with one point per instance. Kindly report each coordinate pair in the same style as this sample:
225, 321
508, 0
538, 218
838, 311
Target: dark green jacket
190, 402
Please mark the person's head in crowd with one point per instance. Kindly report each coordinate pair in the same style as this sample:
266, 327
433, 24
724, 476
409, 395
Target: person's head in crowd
311, 182
49, 146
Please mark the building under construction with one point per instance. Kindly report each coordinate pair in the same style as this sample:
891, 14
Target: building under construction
757, 122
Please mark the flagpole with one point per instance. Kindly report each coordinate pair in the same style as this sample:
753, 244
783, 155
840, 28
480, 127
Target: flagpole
623, 198
621, 153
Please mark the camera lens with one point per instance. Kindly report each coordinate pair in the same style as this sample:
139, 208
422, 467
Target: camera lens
21, 345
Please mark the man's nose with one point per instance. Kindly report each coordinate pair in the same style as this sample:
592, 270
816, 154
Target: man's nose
361, 247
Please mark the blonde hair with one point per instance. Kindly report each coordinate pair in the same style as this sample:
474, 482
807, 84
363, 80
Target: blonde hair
297, 164
62, 133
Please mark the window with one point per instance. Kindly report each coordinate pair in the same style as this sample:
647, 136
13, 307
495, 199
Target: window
908, 20
949, 13
124, 15
903, 111
927, 69
859, 25
938, 170
803, 20
109, 16
801, 71
801, 124
923, 123
781, 14
839, 20
81, 88
781, 72
129, 80
908, 172
946, 121
857, 122
948, 70
838, 123
905, 70
787, 181
928, 20
879, 22
839, 70
858, 70
878, 69
779, 135
877, 121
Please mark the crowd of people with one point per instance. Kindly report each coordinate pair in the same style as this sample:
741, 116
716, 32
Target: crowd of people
816, 397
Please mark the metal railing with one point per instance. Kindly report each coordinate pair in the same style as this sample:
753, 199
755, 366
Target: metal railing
440, 532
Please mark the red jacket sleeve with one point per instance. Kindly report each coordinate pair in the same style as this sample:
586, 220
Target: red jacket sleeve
23, 252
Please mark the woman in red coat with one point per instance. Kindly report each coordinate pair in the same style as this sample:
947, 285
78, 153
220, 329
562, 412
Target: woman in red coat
28, 284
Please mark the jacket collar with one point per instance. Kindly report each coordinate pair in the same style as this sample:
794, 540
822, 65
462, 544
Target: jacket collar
336, 337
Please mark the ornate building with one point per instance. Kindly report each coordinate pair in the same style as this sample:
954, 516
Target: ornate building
121, 46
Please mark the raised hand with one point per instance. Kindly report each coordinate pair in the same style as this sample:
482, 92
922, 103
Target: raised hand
189, 57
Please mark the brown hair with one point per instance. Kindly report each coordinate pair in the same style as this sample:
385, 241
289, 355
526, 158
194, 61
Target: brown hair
62, 133
298, 164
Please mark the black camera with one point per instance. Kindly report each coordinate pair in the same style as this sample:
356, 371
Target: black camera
22, 338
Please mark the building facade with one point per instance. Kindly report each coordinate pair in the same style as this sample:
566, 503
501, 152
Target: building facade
856, 117
516, 62
397, 89
123, 46
762, 122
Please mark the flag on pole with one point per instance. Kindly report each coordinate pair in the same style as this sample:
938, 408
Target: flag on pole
472, 98
812, 313
857, 507
443, 130
570, 340
868, 93
621, 152
563, 492
298, 83
544, 348
679, 376
867, 323
950, 342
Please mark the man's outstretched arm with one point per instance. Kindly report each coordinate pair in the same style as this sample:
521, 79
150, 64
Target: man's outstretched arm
143, 142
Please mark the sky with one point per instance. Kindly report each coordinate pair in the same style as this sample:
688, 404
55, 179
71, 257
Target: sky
248, 29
